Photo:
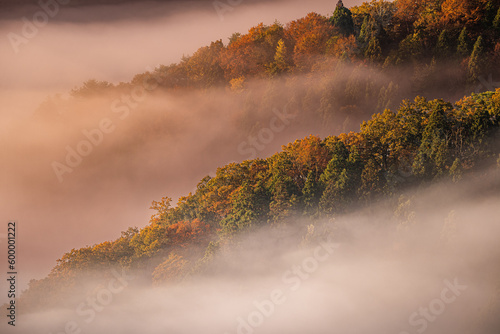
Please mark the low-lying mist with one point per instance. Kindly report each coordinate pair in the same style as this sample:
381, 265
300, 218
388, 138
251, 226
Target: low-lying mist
112, 188
86, 165
423, 264
78, 168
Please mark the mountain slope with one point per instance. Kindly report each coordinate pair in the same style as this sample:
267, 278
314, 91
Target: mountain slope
309, 181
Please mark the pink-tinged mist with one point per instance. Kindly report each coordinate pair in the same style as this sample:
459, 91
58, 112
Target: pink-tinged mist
100, 198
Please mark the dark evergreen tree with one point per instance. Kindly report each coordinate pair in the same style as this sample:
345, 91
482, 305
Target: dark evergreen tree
477, 61
433, 154
490, 11
372, 181
374, 51
365, 31
456, 170
463, 47
342, 19
284, 199
245, 210
340, 180
310, 195
443, 46
496, 22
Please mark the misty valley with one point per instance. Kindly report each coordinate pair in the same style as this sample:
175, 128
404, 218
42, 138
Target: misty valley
335, 173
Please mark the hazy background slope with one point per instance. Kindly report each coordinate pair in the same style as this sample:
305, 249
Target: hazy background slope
108, 43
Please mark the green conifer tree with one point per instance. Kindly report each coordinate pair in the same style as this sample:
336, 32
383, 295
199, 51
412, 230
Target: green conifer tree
463, 47
477, 61
310, 195
280, 64
443, 46
342, 19
374, 50
496, 22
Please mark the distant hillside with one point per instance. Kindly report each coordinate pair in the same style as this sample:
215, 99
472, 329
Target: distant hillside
438, 42
347, 66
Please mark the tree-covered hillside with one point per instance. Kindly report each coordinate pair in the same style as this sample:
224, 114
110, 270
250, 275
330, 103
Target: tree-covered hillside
339, 69
359, 61
310, 180
420, 35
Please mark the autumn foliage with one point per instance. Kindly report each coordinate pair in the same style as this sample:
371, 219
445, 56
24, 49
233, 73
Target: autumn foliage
313, 178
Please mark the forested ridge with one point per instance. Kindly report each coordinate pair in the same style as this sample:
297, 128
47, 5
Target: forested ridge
337, 69
446, 46
421, 35
310, 180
